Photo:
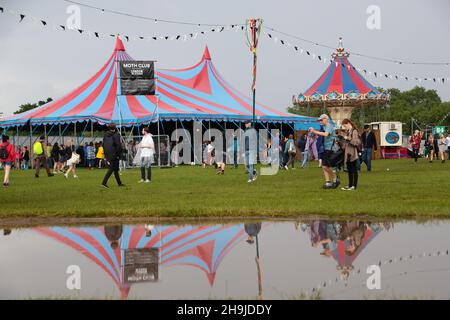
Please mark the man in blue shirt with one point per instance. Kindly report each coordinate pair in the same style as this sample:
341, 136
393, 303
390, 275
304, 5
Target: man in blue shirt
329, 135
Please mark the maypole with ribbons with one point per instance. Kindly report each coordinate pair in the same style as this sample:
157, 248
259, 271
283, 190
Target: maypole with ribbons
253, 30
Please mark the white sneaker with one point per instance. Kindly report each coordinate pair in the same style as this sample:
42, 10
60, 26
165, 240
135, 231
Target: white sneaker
66, 175
147, 181
250, 181
140, 181
75, 176
254, 177
286, 167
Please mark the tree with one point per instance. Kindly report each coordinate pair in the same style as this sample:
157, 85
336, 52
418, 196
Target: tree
424, 106
29, 106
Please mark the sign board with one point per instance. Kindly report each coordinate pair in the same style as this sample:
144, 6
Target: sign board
137, 77
438, 130
137, 70
141, 265
137, 87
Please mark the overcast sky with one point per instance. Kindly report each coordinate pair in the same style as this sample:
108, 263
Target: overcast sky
37, 62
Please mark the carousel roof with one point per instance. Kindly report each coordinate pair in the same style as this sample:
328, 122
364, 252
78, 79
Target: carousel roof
341, 84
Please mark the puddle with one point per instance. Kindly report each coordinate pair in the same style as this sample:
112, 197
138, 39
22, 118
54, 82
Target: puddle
296, 259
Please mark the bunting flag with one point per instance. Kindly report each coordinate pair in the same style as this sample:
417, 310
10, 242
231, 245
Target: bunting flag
127, 37
375, 74
389, 261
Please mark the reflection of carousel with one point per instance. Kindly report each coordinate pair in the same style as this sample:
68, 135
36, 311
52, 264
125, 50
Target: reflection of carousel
340, 89
345, 252
137, 254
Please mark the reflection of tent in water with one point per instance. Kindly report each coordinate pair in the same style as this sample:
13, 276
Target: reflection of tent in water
341, 252
202, 247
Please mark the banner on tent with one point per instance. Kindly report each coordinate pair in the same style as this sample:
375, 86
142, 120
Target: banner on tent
137, 69
136, 87
137, 77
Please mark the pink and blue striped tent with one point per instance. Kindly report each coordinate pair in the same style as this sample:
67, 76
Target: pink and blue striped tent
195, 93
202, 247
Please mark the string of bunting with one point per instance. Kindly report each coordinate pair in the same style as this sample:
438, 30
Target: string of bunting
376, 74
389, 261
396, 61
96, 34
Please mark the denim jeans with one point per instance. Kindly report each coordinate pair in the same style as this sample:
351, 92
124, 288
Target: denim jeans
249, 166
305, 158
367, 158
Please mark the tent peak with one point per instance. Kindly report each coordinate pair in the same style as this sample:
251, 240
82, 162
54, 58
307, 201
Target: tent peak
206, 54
119, 44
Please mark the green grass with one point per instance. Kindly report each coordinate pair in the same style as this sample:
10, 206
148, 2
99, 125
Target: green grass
408, 189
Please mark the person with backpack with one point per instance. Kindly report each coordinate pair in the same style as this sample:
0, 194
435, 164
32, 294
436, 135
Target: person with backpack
112, 147
328, 134
40, 157
8, 156
290, 152
352, 146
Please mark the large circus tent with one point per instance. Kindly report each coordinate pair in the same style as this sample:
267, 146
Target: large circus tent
196, 93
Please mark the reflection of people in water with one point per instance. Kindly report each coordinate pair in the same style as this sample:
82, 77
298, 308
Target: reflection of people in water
113, 234
342, 240
6, 232
252, 230
148, 230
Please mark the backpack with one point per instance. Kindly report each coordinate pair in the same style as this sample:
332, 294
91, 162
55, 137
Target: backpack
292, 148
4, 154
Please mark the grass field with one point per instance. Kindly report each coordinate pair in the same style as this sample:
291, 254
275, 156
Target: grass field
396, 188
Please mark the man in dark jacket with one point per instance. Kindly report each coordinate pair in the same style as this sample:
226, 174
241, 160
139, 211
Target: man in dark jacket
113, 150
369, 143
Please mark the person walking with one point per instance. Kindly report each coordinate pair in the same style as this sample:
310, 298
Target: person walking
40, 157
351, 144
8, 156
249, 154
447, 140
442, 148
436, 145
55, 155
26, 158
112, 150
429, 145
91, 156
302, 147
331, 181
290, 152
369, 143
146, 154
415, 141
72, 162
100, 155
48, 153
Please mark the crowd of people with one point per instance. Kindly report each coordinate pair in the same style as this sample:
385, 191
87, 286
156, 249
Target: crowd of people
335, 150
435, 147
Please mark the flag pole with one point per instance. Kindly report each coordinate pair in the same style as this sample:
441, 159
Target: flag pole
253, 31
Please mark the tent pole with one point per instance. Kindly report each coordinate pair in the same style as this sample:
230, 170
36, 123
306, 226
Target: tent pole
31, 132
60, 138
75, 134
45, 132
159, 137
92, 131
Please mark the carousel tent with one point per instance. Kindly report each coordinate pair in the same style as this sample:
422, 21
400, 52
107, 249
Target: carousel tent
194, 93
